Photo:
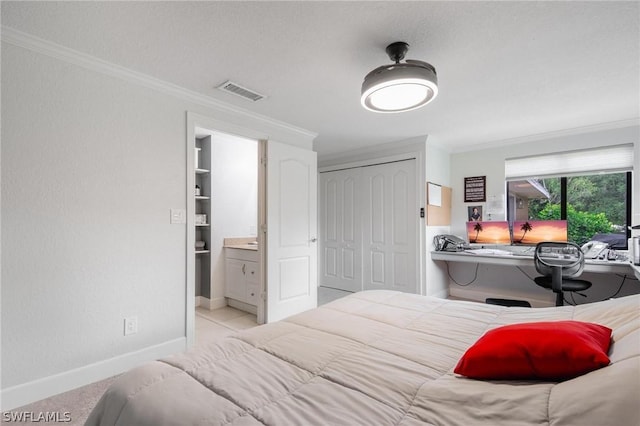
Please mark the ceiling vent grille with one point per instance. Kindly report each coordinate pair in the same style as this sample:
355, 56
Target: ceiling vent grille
236, 89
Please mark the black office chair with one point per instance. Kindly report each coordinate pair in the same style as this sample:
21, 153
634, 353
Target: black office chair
559, 263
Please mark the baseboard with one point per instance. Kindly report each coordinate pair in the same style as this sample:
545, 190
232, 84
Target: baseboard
252, 309
26, 393
442, 294
211, 304
482, 295
217, 303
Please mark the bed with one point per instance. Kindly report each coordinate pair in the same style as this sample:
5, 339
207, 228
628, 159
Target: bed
379, 358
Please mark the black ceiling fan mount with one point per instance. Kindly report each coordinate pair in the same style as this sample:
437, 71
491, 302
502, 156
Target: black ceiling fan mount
397, 51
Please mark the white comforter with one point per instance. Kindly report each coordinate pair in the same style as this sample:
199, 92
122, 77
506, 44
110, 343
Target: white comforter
378, 358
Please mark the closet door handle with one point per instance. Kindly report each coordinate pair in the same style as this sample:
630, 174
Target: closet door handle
244, 267
313, 239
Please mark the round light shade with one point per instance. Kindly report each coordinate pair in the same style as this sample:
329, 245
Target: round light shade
399, 87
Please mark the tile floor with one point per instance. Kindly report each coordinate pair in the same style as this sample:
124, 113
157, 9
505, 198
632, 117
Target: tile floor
221, 322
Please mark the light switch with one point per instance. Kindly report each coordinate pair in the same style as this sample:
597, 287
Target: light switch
178, 216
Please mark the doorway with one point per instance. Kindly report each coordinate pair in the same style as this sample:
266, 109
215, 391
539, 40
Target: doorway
286, 225
227, 258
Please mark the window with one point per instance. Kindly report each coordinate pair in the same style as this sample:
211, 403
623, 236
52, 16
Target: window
595, 206
590, 189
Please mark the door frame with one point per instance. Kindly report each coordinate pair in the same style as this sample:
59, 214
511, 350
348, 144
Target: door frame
194, 122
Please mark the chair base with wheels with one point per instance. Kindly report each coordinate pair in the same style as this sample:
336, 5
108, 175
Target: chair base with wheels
559, 263
568, 284
507, 302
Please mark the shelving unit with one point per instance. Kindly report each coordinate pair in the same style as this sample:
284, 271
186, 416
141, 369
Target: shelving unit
203, 207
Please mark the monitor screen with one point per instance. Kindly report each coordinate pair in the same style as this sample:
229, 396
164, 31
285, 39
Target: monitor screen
531, 232
488, 232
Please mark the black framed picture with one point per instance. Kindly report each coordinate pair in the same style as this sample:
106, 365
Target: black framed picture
475, 189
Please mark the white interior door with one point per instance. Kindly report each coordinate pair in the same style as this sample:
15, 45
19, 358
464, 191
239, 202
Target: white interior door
340, 247
390, 235
291, 258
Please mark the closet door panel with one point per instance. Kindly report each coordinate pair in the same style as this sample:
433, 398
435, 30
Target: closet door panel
348, 264
403, 230
376, 208
350, 237
350, 234
401, 271
390, 232
340, 239
329, 223
331, 210
330, 264
349, 210
378, 276
399, 203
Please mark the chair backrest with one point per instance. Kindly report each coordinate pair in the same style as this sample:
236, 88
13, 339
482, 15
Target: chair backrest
567, 256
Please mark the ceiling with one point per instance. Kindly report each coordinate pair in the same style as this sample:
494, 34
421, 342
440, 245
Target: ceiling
506, 70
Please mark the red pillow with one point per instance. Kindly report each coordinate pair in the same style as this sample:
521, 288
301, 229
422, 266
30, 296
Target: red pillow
557, 350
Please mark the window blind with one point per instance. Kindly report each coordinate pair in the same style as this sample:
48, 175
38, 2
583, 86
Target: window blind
609, 159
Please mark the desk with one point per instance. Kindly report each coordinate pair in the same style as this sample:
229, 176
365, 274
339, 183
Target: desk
591, 265
636, 270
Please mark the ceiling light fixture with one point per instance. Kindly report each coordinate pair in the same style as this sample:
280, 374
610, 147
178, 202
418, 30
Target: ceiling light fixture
399, 87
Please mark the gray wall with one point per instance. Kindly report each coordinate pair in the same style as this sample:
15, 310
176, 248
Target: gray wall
91, 167
91, 164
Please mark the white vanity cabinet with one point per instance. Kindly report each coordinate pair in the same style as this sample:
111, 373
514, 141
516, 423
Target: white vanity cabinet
241, 277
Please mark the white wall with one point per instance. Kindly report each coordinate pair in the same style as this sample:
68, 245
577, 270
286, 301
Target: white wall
234, 200
93, 159
508, 282
438, 171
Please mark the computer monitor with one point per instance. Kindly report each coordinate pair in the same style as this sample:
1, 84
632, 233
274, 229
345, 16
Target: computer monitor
488, 232
531, 232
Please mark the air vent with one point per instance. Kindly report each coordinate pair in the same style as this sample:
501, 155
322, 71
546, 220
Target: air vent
236, 89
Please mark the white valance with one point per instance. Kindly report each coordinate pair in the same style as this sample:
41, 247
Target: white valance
608, 159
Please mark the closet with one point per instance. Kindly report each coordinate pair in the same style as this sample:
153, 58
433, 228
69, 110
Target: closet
369, 228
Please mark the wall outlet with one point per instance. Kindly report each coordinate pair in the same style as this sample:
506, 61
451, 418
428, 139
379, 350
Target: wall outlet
130, 325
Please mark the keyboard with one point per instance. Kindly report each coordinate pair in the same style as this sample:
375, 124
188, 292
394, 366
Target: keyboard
489, 251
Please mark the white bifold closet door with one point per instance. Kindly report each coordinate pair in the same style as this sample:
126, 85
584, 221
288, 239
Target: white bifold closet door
369, 220
341, 247
389, 227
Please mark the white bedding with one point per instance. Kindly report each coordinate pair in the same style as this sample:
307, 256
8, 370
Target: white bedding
378, 358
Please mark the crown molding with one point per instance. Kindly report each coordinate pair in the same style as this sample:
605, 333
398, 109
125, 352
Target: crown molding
551, 135
45, 47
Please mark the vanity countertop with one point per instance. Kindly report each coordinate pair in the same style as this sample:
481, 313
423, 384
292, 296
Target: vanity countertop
242, 243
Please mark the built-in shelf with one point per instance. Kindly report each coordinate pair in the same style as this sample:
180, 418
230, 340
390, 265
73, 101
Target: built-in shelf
202, 201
